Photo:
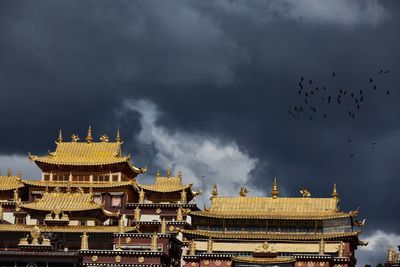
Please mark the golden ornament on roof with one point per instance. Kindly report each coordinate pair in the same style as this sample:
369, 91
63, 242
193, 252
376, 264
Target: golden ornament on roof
243, 191
89, 137
104, 138
275, 191
305, 193
60, 138
74, 138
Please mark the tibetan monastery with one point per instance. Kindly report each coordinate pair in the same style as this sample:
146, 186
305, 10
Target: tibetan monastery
90, 208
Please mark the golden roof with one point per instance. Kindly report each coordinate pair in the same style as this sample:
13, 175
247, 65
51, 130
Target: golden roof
63, 202
85, 154
166, 184
65, 229
10, 183
77, 184
261, 260
267, 236
270, 207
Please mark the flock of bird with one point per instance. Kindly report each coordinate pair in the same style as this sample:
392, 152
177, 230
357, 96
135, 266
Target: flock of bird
316, 99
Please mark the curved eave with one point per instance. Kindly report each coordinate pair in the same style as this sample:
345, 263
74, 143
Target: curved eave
269, 216
77, 184
153, 188
11, 187
31, 206
65, 229
45, 160
278, 260
270, 236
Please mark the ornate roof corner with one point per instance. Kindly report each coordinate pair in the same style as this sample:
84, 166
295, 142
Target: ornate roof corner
363, 242
275, 191
354, 213
116, 214
143, 169
359, 223
31, 157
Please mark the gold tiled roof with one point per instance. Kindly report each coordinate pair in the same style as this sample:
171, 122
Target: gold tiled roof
64, 229
77, 184
267, 236
10, 183
63, 202
166, 184
274, 208
260, 260
83, 153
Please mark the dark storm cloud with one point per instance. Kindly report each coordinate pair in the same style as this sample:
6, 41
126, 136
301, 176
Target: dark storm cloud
227, 69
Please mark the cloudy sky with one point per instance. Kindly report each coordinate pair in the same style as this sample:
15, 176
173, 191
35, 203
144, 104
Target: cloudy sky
205, 87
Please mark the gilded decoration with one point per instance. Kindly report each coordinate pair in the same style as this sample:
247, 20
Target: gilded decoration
168, 184
118, 259
140, 259
158, 210
218, 262
10, 182
128, 240
206, 262
95, 258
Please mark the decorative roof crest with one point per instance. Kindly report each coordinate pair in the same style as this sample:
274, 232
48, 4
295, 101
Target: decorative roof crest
60, 138
74, 138
275, 191
89, 137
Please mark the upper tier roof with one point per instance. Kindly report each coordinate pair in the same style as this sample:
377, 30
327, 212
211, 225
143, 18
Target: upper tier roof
10, 182
87, 153
274, 207
166, 184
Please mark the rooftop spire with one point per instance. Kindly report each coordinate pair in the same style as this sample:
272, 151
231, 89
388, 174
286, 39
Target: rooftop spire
179, 174
60, 138
169, 172
214, 192
335, 194
9, 172
118, 137
275, 191
89, 137
158, 173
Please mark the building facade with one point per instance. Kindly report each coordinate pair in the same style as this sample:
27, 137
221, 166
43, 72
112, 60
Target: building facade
90, 208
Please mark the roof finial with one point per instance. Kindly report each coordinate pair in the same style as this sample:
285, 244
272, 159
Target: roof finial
169, 172
118, 138
89, 137
74, 138
179, 174
214, 192
9, 172
335, 194
158, 173
275, 191
60, 138
19, 174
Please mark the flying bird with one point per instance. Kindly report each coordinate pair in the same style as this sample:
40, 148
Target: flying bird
374, 87
325, 116
388, 92
311, 118
310, 82
302, 78
381, 71
333, 74
349, 141
386, 72
370, 80
352, 155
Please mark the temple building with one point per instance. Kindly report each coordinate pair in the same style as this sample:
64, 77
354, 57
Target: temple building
90, 208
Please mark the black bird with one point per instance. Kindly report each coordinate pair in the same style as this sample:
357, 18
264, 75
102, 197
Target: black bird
352, 114
381, 71
338, 100
324, 87
388, 92
299, 92
310, 82
333, 74
349, 141
361, 99
361, 92
313, 109
345, 92
352, 155
325, 116
316, 88
306, 94
312, 93
302, 78
352, 95
358, 106
311, 118
349, 113
374, 87
329, 99
301, 86
370, 80
341, 91
374, 143
386, 71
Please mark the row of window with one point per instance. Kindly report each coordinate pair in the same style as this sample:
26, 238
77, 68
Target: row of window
81, 177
